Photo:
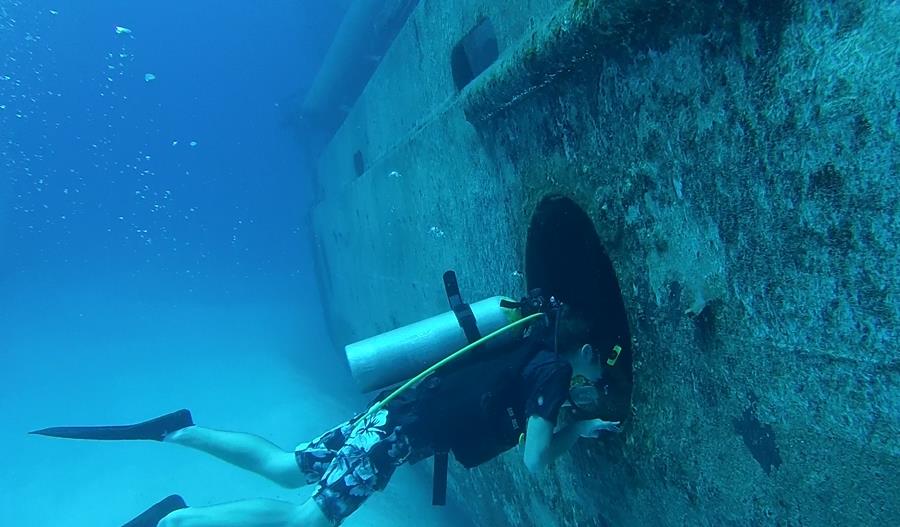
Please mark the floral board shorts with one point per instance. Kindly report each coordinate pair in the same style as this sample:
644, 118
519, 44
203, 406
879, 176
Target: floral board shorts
353, 460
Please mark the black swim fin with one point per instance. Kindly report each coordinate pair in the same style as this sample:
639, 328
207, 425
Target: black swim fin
152, 516
154, 429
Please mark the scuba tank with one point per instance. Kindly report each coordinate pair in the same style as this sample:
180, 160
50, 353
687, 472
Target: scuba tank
386, 359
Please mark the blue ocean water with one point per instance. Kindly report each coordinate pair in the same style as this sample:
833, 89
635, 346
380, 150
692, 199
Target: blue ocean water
153, 250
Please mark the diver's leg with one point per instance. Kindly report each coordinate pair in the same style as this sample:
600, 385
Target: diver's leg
247, 451
249, 513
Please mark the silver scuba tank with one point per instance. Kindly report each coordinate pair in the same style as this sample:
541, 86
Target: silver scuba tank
399, 354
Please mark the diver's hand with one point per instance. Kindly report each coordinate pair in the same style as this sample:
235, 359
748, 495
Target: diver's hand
594, 427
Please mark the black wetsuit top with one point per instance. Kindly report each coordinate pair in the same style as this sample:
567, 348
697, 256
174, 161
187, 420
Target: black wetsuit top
545, 385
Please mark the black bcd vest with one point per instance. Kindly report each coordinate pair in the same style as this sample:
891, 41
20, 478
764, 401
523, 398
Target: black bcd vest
475, 408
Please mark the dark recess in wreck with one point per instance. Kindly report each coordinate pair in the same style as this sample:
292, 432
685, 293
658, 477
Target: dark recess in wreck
359, 164
759, 438
474, 54
565, 258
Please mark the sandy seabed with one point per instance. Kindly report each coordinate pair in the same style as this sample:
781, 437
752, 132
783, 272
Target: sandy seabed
71, 357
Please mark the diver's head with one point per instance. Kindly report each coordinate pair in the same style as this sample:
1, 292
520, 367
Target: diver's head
572, 336
573, 333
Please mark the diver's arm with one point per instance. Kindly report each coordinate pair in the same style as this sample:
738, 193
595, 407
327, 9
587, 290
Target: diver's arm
543, 446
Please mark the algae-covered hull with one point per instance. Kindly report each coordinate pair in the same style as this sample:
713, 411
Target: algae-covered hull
736, 163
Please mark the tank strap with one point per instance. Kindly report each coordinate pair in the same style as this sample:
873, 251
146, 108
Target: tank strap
466, 319
439, 484
462, 310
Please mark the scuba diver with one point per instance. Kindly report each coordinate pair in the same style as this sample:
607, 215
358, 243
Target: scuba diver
476, 403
